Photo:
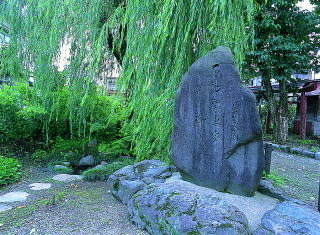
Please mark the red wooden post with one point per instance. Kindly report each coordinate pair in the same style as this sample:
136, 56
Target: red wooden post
303, 115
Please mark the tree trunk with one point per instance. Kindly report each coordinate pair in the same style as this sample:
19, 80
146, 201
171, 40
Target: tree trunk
280, 131
278, 109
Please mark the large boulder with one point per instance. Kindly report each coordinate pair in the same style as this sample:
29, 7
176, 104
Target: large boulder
125, 182
170, 208
290, 218
216, 140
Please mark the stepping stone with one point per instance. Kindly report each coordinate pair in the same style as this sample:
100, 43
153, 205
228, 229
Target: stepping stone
40, 186
4, 207
14, 197
67, 177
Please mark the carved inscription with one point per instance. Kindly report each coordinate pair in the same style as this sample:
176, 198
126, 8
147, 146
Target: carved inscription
215, 101
234, 127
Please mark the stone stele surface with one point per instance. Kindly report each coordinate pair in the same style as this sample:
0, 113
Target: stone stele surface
216, 140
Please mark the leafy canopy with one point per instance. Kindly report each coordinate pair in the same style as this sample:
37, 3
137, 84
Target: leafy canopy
154, 41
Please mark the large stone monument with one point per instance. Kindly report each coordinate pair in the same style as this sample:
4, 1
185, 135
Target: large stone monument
216, 140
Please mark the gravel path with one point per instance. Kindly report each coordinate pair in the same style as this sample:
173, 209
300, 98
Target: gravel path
66, 208
301, 176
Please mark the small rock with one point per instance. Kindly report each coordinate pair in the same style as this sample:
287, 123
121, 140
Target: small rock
4, 207
125, 157
267, 188
67, 177
60, 167
14, 197
284, 148
103, 163
67, 164
308, 153
40, 186
296, 150
93, 143
87, 161
99, 166
317, 155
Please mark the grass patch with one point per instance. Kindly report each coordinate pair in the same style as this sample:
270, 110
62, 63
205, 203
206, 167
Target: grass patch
276, 180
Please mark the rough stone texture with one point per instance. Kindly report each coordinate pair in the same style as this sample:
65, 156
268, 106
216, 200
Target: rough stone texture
87, 161
290, 218
253, 207
217, 133
67, 177
173, 209
40, 186
267, 188
125, 182
14, 197
317, 155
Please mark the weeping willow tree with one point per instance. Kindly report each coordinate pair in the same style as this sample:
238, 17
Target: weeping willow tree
154, 41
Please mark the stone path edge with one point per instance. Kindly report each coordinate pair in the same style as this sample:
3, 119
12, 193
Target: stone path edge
293, 150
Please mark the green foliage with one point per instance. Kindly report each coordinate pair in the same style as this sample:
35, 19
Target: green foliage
286, 42
307, 142
275, 179
154, 41
40, 156
64, 146
19, 118
115, 148
9, 170
101, 174
169, 37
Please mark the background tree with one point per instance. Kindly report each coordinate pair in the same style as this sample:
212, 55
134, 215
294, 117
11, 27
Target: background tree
286, 41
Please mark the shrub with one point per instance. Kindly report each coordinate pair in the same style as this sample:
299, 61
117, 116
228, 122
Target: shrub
17, 119
115, 148
101, 174
40, 156
9, 170
63, 146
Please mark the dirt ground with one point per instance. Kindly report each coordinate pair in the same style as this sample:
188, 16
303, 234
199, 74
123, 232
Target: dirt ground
300, 174
66, 208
